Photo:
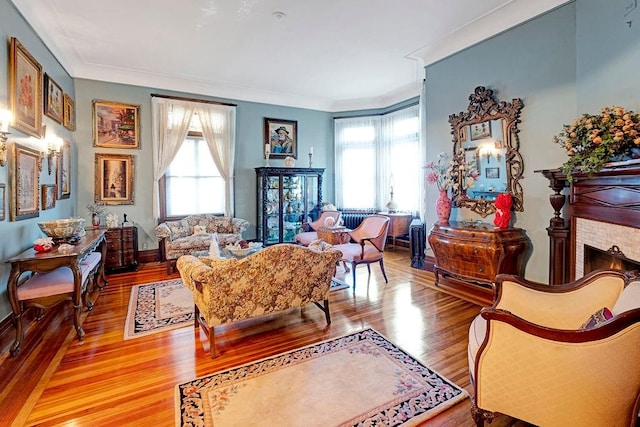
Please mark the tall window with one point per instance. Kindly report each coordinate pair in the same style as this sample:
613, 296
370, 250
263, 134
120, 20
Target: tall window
375, 154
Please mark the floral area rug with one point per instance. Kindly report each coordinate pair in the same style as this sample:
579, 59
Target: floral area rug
167, 305
156, 307
359, 379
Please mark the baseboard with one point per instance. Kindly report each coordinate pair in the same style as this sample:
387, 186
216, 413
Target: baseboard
149, 256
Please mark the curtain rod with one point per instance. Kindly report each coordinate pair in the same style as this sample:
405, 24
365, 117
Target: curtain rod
180, 98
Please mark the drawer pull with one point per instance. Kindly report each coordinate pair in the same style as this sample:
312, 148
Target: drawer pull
475, 251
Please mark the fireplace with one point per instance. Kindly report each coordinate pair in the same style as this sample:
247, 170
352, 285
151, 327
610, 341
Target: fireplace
601, 210
595, 259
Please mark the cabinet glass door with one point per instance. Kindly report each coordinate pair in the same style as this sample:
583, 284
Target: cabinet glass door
273, 209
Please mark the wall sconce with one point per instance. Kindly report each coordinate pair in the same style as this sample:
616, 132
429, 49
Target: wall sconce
5, 119
54, 145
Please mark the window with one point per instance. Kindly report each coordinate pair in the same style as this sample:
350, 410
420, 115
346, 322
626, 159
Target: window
375, 154
192, 183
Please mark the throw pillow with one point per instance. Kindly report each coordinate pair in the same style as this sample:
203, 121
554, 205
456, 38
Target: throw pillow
199, 229
628, 299
597, 318
214, 248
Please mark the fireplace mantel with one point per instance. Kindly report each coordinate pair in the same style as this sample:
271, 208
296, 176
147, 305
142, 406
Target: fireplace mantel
611, 196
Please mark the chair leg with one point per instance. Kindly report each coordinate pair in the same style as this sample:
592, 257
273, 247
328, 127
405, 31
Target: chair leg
480, 415
212, 342
383, 273
353, 270
196, 316
324, 308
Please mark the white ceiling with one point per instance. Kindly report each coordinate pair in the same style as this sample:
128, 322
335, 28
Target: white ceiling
330, 55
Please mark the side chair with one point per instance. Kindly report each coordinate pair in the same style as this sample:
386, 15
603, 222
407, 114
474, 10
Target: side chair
367, 246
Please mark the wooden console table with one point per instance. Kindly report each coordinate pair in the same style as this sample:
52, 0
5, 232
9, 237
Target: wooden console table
31, 261
468, 256
398, 225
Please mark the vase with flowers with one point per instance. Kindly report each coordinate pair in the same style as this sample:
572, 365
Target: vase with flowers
95, 210
439, 172
593, 141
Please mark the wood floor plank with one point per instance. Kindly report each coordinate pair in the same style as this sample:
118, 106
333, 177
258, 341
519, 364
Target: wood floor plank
106, 380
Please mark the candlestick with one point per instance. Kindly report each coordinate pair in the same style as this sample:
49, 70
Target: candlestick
311, 150
267, 154
310, 159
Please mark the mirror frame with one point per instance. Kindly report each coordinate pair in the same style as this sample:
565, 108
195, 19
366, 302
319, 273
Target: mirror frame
483, 107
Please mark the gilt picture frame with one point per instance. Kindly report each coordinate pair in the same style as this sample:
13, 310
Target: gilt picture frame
115, 125
3, 198
25, 182
63, 171
53, 100
25, 86
480, 130
281, 136
69, 113
114, 179
49, 196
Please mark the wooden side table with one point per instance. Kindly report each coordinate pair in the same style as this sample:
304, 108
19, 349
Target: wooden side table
398, 225
334, 235
122, 248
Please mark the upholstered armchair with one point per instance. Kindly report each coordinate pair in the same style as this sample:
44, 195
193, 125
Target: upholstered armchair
565, 355
367, 246
274, 279
311, 230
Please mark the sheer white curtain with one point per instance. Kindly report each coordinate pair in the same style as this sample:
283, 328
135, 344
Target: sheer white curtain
219, 132
170, 120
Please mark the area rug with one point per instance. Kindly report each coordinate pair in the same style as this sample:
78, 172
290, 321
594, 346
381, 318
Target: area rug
167, 305
156, 307
359, 379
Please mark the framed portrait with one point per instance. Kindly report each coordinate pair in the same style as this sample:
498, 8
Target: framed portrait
115, 125
69, 113
25, 90
480, 130
3, 209
25, 183
63, 171
53, 99
281, 138
48, 196
114, 179
492, 173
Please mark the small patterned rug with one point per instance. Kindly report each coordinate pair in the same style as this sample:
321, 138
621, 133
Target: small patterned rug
156, 307
359, 379
166, 305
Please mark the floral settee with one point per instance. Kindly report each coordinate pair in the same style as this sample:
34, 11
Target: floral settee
193, 234
273, 279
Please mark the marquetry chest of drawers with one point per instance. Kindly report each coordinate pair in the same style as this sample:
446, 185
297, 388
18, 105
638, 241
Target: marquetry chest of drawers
476, 252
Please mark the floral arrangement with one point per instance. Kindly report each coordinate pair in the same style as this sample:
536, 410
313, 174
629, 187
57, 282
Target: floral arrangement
467, 169
439, 172
96, 208
43, 244
592, 141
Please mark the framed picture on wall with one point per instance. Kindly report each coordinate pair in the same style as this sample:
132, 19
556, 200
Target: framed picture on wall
281, 138
115, 125
3, 198
114, 179
25, 183
492, 173
480, 130
69, 113
63, 171
25, 76
53, 99
48, 196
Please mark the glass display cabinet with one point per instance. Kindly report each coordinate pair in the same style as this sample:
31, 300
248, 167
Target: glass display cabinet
287, 198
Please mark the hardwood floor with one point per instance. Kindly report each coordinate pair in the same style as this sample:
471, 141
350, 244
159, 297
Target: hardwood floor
106, 381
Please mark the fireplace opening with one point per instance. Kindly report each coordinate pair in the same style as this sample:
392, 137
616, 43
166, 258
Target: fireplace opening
595, 259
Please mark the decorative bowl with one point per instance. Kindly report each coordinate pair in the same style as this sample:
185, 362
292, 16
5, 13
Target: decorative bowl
240, 252
63, 229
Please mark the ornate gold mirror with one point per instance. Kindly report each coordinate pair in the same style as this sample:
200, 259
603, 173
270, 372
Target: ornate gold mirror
485, 151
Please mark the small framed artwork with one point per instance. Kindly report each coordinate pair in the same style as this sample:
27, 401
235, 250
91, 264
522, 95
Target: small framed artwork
281, 138
63, 171
48, 196
25, 90
492, 173
3, 208
462, 134
115, 125
25, 183
53, 99
480, 130
69, 113
114, 179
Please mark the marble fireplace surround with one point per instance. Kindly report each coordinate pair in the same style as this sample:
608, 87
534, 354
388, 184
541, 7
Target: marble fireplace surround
601, 210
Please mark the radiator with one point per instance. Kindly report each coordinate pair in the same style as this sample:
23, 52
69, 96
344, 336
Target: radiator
353, 217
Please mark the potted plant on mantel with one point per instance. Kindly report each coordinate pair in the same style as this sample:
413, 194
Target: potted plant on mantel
595, 141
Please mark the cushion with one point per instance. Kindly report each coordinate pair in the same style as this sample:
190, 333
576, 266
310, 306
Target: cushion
214, 248
597, 318
628, 299
477, 332
199, 229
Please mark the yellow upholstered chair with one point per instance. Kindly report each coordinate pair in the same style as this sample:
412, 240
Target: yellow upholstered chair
369, 239
546, 355
311, 235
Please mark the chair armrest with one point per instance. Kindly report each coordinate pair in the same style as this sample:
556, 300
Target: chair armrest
239, 225
563, 307
163, 232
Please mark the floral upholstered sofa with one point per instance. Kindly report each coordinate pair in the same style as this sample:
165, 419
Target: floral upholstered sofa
274, 279
193, 234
